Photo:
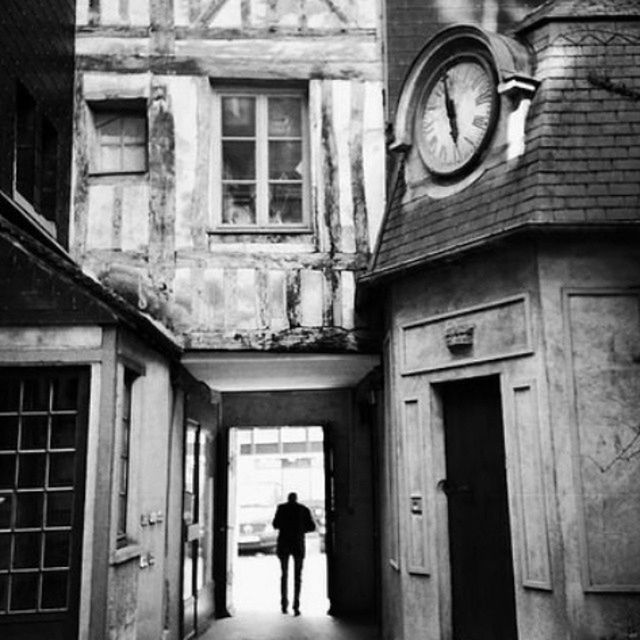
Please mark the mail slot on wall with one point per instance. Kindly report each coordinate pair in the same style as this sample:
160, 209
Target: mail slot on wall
416, 503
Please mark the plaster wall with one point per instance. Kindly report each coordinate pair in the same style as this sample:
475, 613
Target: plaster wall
154, 237
562, 410
589, 302
136, 580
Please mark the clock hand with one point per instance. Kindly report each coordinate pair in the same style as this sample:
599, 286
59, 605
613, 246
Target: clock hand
451, 110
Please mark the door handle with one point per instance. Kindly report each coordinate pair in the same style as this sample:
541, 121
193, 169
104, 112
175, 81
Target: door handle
451, 489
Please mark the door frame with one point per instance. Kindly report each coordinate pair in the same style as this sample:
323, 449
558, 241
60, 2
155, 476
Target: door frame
71, 618
436, 425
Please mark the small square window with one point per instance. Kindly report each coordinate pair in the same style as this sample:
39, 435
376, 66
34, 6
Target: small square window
262, 160
120, 140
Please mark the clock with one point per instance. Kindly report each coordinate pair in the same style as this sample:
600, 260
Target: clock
456, 114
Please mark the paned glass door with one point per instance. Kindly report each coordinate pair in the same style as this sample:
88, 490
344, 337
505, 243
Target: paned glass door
42, 454
197, 573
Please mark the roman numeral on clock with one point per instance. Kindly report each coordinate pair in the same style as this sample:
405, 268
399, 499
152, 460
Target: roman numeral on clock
481, 122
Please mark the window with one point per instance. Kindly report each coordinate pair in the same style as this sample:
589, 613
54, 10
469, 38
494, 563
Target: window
120, 140
262, 155
124, 448
36, 173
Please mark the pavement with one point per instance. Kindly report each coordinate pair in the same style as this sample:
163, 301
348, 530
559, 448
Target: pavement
256, 604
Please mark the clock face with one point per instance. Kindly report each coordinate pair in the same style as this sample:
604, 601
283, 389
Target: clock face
456, 115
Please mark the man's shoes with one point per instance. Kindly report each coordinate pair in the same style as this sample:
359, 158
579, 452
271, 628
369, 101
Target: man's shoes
296, 612
284, 608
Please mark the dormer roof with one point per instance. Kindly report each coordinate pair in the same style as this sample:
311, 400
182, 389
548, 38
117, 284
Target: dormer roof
571, 10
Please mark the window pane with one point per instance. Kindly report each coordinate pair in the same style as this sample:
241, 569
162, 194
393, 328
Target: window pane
284, 117
65, 393
109, 127
134, 159
285, 160
24, 591
31, 470
6, 508
5, 550
8, 433
63, 432
26, 550
110, 158
56, 549
34, 432
61, 471
36, 394
238, 160
134, 129
54, 590
9, 395
29, 510
59, 509
285, 204
7, 471
4, 586
238, 116
239, 204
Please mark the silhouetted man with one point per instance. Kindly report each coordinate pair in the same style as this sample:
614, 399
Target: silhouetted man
292, 520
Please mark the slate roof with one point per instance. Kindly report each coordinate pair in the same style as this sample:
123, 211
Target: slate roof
581, 167
580, 10
43, 286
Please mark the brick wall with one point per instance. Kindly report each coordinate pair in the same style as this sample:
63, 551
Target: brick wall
37, 47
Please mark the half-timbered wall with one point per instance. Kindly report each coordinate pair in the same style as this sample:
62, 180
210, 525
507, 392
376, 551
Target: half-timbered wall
152, 236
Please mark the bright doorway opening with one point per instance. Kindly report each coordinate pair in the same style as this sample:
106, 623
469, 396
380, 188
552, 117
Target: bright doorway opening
266, 464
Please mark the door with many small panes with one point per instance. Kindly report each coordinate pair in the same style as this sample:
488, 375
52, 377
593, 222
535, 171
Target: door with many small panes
43, 420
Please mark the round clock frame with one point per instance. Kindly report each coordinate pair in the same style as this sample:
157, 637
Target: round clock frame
456, 117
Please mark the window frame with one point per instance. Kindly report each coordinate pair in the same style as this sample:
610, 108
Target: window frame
38, 192
262, 224
123, 516
117, 109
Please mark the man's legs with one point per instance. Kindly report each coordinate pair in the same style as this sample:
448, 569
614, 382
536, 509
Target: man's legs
297, 582
284, 567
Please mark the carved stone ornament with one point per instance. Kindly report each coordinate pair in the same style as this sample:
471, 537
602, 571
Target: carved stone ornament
459, 337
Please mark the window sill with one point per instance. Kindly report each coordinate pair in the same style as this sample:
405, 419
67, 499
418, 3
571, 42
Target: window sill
129, 552
261, 231
118, 178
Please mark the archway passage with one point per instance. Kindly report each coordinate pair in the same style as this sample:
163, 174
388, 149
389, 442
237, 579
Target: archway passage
271, 462
348, 491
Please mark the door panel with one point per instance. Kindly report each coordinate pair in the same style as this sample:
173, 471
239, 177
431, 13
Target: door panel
43, 424
197, 572
483, 602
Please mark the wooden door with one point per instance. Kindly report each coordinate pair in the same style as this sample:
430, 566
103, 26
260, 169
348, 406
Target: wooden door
43, 429
329, 512
197, 571
483, 602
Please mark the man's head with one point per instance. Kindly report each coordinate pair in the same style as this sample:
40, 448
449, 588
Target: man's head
292, 497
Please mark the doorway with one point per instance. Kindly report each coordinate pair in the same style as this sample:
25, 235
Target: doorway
482, 582
43, 432
268, 463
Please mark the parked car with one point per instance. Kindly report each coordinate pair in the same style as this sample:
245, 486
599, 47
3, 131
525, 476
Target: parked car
255, 533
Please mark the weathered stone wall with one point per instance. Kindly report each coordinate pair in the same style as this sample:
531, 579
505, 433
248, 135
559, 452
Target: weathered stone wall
153, 238
569, 397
